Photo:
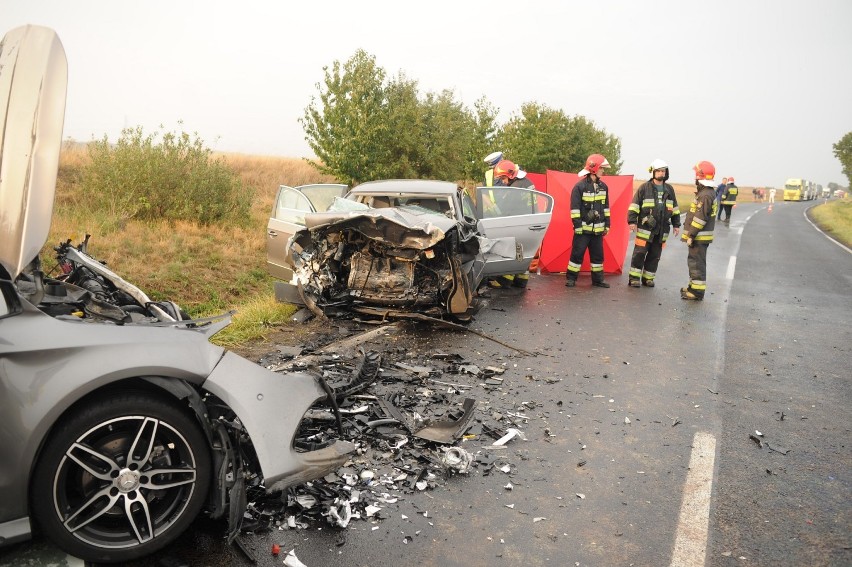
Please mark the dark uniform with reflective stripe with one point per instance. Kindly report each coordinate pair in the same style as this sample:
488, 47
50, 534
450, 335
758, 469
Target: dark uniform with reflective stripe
729, 199
698, 225
590, 216
653, 209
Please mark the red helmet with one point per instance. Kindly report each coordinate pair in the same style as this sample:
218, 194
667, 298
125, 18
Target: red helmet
730, 180
594, 163
505, 168
704, 170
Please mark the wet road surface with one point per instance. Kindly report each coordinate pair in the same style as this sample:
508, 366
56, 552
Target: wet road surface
620, 384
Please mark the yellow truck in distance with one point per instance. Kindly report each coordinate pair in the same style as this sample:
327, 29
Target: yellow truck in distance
799, 190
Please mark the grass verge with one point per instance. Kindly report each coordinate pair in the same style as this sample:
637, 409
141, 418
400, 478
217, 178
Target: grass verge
254, 321
835, 218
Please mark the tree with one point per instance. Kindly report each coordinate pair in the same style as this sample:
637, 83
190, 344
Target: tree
346, 127
482, 139
362, 127
843, 152
542, 138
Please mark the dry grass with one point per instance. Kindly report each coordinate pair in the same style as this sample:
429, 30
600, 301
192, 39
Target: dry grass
205, 269
685, 192
266, 173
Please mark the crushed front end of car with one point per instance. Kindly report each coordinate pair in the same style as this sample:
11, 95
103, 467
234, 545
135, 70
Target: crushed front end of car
123, 421
385, 261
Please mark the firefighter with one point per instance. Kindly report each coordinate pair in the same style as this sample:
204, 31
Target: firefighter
521, 180
653, 209
590, 217
698, 231
720, 189
729, 199
491, 159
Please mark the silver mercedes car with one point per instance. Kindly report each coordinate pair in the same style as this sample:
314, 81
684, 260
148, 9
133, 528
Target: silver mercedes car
120, 422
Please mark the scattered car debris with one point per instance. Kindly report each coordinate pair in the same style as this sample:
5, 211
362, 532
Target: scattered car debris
414, 428
458, 459
511, 433
758, 438
292, 561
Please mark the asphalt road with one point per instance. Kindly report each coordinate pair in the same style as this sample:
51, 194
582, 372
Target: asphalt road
640, 409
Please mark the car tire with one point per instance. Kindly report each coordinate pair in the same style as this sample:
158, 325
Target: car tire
96, 491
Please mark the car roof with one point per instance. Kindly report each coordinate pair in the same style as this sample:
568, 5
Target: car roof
424, 186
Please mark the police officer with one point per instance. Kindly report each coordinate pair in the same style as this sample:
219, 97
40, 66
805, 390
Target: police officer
492, 160
654, 207
590, 216
698, 231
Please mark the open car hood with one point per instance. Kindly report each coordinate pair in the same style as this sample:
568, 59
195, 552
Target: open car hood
33, 83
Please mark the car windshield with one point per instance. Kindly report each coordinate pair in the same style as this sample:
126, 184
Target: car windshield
433, 204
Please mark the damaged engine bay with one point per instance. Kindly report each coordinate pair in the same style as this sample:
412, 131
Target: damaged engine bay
384, 261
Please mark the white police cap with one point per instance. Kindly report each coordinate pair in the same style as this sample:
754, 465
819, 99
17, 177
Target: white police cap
493, 158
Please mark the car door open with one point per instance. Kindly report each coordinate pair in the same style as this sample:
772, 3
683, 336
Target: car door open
288, 217
506, 213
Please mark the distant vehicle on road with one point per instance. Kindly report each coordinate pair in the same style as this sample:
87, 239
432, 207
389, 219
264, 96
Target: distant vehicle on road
796, 190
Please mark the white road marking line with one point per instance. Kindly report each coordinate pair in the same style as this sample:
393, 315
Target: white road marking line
732, 265
805, 213
690, 548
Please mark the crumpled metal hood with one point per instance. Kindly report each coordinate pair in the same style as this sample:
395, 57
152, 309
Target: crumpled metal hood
396, 226
33, 83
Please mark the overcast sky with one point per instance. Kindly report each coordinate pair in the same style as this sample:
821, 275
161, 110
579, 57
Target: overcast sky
762, 88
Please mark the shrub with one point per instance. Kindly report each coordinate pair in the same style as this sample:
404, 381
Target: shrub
175, 178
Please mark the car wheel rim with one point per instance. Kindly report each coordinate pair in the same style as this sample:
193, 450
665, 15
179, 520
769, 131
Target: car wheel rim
124, 482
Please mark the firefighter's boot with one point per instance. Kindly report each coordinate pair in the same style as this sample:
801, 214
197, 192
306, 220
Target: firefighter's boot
686, 293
